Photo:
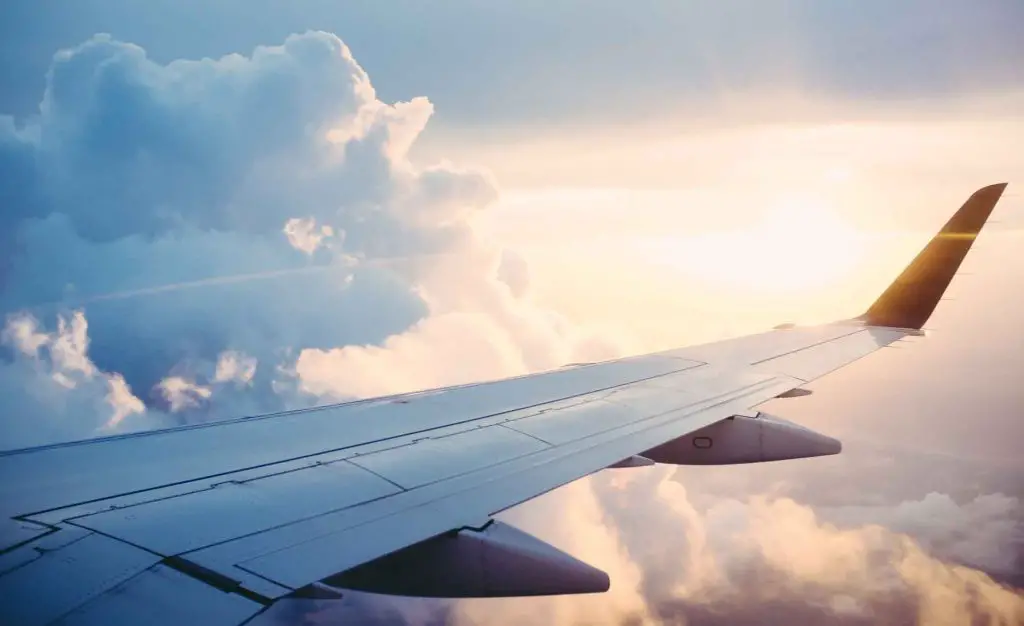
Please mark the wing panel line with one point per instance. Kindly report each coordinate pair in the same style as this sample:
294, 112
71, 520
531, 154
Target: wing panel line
854, 331
366, 533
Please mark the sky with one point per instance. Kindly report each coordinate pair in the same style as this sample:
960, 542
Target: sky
231, 208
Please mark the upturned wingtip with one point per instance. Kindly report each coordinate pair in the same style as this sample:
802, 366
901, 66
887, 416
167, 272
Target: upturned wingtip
910, 300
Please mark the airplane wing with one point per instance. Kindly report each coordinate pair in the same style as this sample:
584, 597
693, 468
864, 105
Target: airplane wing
213, 523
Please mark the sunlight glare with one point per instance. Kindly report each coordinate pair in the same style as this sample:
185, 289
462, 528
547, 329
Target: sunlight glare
798, 245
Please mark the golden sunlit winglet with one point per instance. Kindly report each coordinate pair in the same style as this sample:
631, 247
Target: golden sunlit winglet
910, 300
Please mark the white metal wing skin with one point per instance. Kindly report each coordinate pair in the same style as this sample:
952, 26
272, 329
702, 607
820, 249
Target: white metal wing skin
213, 523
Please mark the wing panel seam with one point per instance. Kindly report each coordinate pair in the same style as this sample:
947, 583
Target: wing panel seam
808, 347
562, 452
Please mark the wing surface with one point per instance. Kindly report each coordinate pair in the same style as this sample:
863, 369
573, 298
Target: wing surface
212, 523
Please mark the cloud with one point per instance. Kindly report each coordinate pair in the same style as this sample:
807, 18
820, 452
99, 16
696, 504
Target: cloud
52, 390
469, 346
984, 532
208, 216
304, 235
183, 394
235, 367
479, 329
739, 560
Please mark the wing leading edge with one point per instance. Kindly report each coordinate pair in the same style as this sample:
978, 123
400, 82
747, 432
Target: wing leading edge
218, 522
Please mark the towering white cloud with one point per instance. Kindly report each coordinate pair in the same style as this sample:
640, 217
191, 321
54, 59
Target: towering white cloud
208, 216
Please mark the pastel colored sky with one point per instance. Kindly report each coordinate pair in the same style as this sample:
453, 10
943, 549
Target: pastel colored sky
423, 194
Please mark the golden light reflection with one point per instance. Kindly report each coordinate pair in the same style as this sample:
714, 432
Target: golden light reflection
797, 245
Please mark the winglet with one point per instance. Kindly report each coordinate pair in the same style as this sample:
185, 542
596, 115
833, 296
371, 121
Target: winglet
911, 298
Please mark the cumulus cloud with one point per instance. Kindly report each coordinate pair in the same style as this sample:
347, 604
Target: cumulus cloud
235, 367
774, 556
262, 205
984, 532
304, 234
53, 391
183, 394
478, 329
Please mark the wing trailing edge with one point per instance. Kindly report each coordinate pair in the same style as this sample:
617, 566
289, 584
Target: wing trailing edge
910, 300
